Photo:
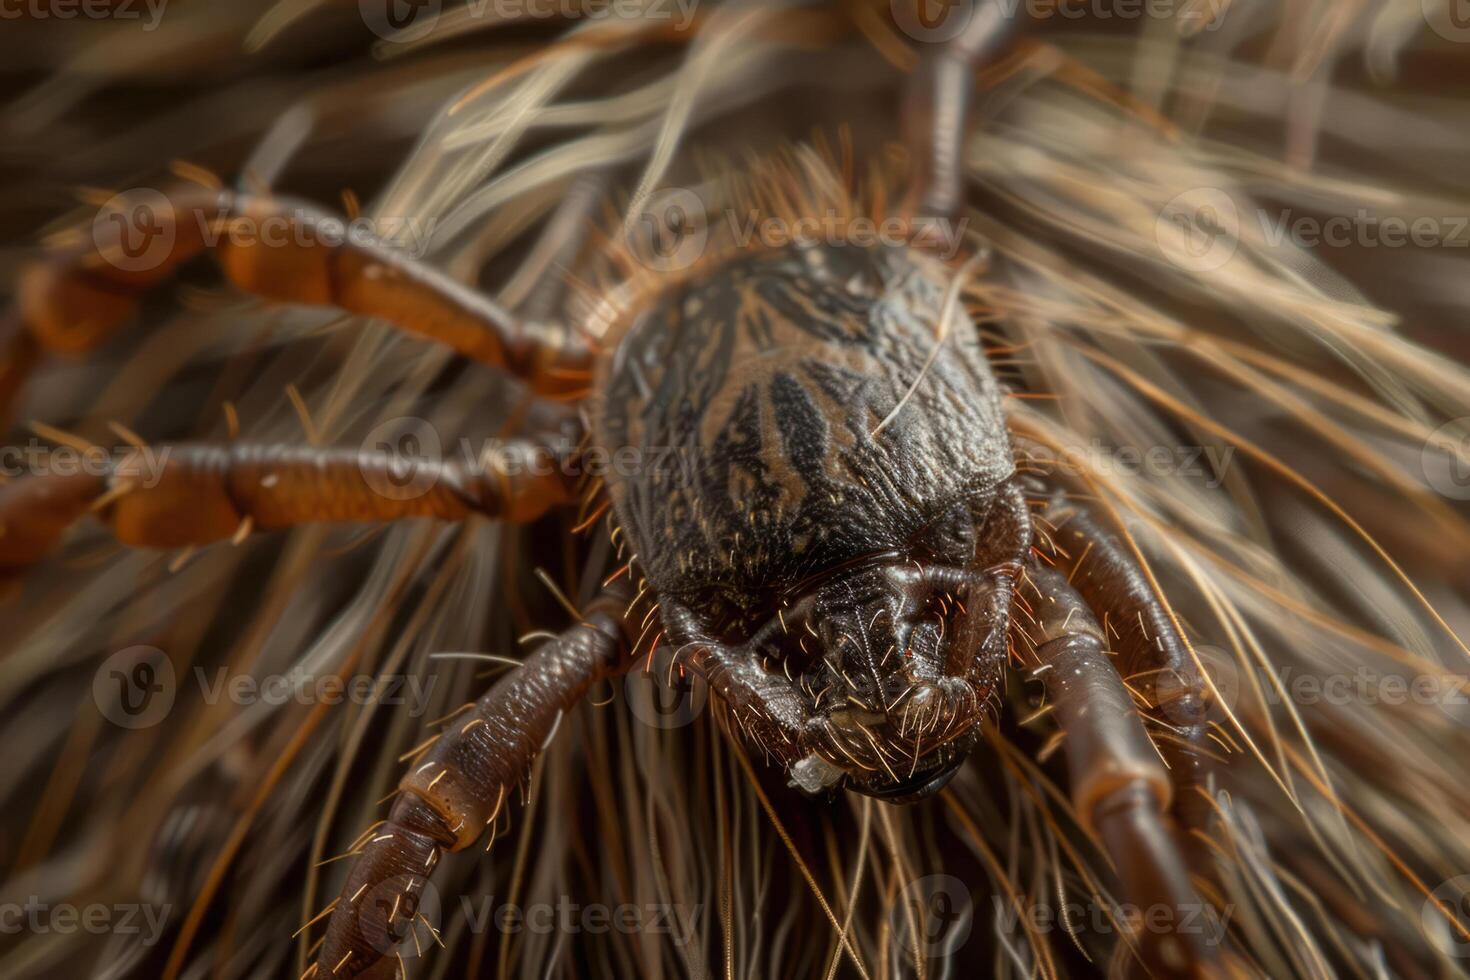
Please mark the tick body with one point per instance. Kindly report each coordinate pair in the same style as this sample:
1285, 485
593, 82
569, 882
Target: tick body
819, 444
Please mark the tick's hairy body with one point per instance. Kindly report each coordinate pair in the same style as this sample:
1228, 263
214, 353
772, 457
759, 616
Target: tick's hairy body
825, 523
816, 437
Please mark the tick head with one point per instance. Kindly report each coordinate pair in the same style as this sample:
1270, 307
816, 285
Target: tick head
874, 677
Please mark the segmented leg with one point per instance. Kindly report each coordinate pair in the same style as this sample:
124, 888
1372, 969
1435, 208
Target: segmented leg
453, 792
279, 249
1118, 785
938, 103
1152, 656
175, 496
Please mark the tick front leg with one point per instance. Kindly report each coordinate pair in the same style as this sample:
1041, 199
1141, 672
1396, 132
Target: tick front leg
937, 106
1153, 657
458, 787
1119, 786
278, 249
176, 496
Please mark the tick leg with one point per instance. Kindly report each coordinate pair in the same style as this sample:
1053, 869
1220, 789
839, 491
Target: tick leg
1152, 656
175, 496
279, 249
457, 788
1118, 785
937, 105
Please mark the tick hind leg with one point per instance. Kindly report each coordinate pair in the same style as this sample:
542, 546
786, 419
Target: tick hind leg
278, 249
457, 788
1119, 786
177, 496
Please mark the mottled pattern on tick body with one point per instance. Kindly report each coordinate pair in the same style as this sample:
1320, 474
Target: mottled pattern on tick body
754, 396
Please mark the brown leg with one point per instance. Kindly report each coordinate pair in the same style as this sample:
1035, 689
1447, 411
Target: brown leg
175, 496
282, 250
1118, 785
937, 105
1152, 657
456, 789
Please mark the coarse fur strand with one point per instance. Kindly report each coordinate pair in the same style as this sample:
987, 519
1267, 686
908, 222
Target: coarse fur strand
1277, 434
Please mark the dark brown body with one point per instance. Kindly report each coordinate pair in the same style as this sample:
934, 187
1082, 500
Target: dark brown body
814, 441
755, 392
